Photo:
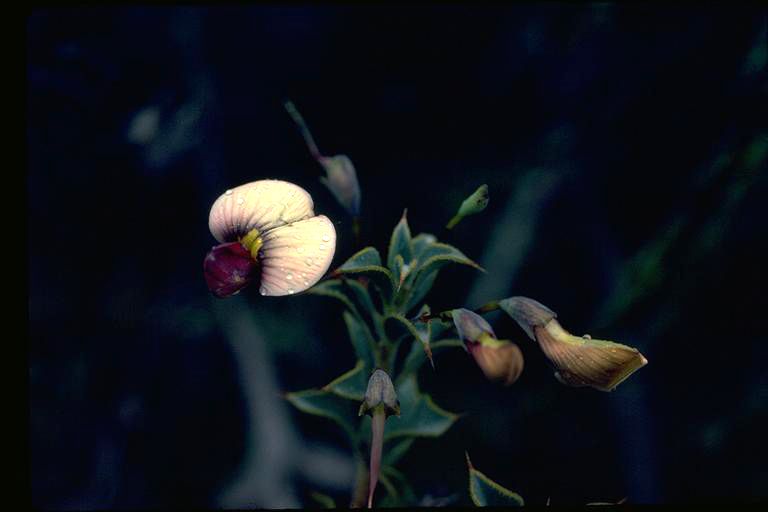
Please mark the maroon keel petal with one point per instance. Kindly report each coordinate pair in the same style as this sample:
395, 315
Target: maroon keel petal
228, 268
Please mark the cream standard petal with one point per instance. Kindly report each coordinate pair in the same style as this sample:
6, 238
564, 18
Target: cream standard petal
263, 205
295, 257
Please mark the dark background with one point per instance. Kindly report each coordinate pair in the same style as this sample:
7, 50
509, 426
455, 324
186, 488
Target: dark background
625, 150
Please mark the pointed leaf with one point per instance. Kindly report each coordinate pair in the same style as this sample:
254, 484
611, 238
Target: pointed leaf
400, 243
361, 339
323, 500
438, 255
417, 356
487, 493
328, 405
367, 262
419, 289
421, 336
396, 449
334, 288
420, 242
350, 385
366, 257
419, 416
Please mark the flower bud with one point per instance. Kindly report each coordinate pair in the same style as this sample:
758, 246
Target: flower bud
380, 401
380, 391
500, 360
471, 205
527, 313
342, 181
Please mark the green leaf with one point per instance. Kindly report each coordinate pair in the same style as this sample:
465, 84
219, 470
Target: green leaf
361, 339
419, 289
407, 494
417, 356
367, 262
421, 336
366, 257
487, 493
334, 288
323, 500
328, 405
438, 255
419, 416
363, 298
350, 385
421, 242
400, 243
395, 450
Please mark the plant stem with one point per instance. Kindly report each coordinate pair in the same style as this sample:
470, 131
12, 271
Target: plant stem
377, 442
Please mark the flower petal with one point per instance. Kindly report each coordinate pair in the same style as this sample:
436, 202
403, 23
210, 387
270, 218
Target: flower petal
263, 205
296, 256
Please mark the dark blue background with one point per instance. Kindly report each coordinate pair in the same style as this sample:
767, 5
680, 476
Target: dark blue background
624, 147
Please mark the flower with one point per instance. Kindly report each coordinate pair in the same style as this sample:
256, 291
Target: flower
270, 233
380, 402
579, 360
500, 360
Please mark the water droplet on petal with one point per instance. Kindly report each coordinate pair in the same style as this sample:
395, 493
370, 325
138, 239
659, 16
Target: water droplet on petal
322, 247
306, 283
300, 249
240, 200
228, 192
289, 276
291, 291
309, 261
263, 291
326, 238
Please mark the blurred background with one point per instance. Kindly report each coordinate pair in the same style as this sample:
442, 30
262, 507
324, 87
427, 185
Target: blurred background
625, 150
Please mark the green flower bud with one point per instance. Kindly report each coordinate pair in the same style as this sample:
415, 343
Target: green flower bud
471, 205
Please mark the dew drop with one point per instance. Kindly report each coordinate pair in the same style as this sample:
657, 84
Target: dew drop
300, 249
263, 291
326, 238
322, 247
309, 262
240, 200
289, 276
291, 291
228, 192
306, 283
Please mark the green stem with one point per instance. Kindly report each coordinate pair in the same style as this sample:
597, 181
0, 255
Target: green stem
455, 220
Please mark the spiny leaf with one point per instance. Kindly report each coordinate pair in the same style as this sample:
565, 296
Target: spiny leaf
350, 385
438, 255
395, 450
400, 243
421, 242
419, 415
361, 339
328, 405
416, 356
421, 337
367, 262
487, 493
334, 288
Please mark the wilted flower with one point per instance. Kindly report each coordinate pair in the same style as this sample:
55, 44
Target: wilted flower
500, 360
580, 361
380, 401
269, 233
